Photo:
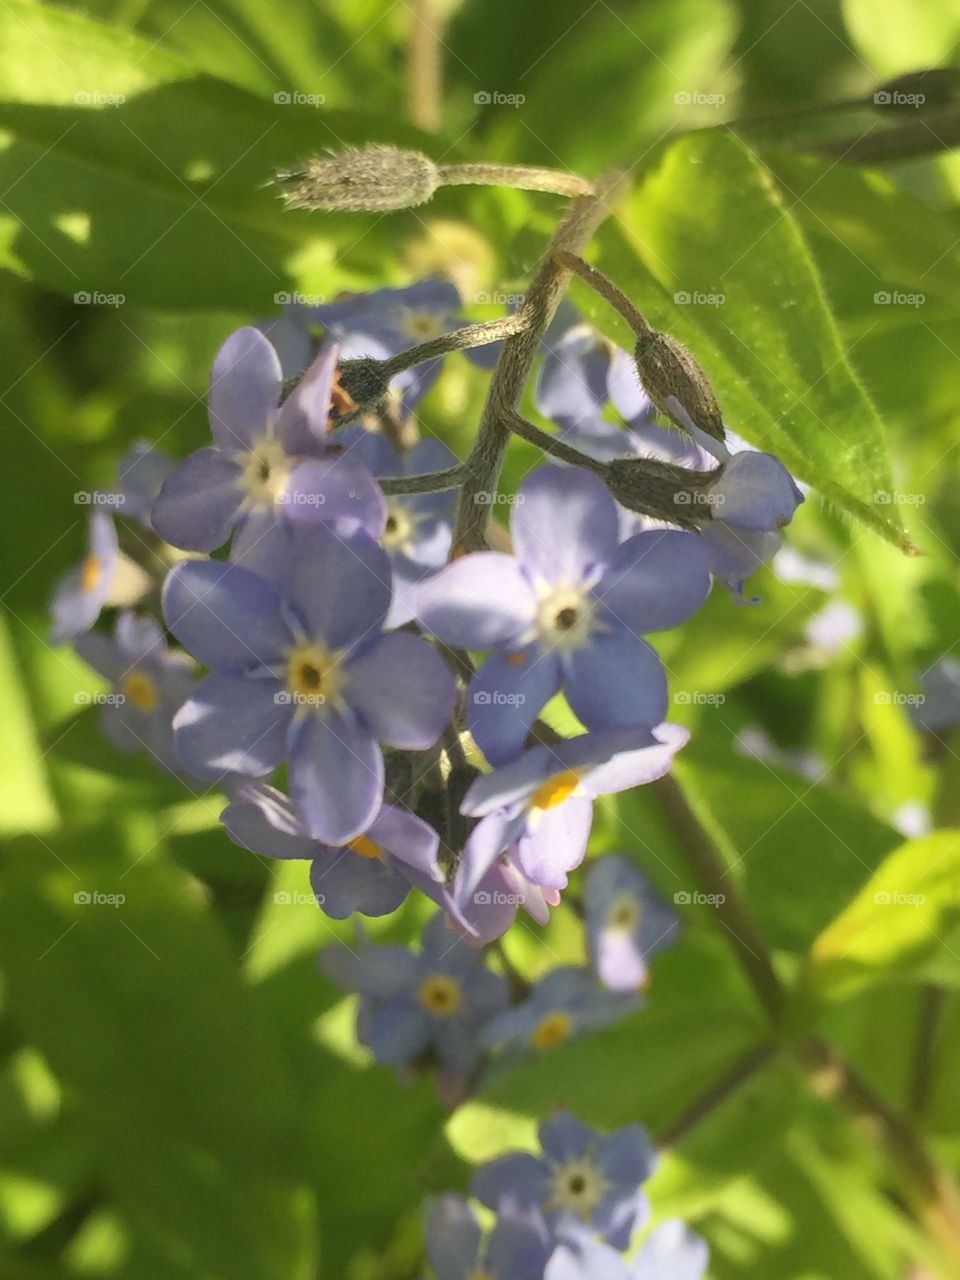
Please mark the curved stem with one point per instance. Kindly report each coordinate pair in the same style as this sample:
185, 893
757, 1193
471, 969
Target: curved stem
743, 1069
607, 290
424, 67
519, 351
552, 445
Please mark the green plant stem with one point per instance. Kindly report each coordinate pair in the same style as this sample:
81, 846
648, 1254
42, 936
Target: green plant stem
424, 66
710, 871
428, 482
523, 177
516, 359
933, 1000
933, 1194
744, 1069
470, 335
936, 131
608, 291
552, 446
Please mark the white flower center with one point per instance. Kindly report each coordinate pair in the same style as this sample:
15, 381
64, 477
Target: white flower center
266, 470
577, 1187
566, 616
400, 528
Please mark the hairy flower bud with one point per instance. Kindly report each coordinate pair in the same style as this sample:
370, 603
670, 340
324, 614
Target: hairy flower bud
373, 179
671, 376
662, 490
363, 381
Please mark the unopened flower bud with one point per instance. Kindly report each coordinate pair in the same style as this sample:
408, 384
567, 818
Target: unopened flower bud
373, 179
671, 377
362, 381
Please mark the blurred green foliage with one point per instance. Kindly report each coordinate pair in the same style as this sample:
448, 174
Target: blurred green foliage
180, 1094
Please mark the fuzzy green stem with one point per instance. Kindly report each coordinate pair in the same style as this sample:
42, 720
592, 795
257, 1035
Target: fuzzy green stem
523, 177
517, 357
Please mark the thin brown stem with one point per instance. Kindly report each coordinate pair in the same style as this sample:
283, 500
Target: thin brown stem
742, 1070
710, 870
424, 66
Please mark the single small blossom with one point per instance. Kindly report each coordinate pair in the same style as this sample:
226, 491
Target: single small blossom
433, 1002
670, 1252
372, 873
626, 922
582, 1181
483, 909
539, 808
268, 464
418, 529
517, 1247
306, 673
568, 610
80, 594
149, 684
940, 707
566, 1002
385, 322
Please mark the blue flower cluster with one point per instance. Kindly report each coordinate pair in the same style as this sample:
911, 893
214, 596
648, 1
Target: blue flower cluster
569, 1213
444, 1007
343, 646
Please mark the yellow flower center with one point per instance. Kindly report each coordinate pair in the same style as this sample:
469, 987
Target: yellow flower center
552, 1030
364, 847
399, 527
440, 995
313, 675
266, 471
421, 325
624, 913
556, 789
577, 1187
141, 690
91, 573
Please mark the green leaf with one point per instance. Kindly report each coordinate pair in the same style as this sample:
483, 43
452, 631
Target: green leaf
128, 989
899, 923
708, 248
798, 851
